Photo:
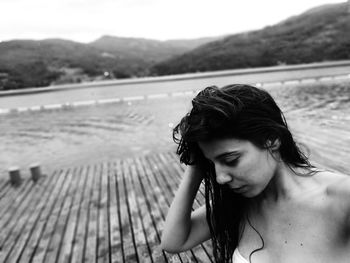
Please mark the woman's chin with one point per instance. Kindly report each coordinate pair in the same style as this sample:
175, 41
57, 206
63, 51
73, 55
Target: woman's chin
247, 192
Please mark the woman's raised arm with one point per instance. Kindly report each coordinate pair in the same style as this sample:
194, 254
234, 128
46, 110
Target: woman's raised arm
183, 229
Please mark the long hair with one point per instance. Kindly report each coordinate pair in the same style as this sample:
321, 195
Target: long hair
234, 111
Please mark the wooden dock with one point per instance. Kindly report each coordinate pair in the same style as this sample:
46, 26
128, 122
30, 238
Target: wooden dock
108, 212
114, 211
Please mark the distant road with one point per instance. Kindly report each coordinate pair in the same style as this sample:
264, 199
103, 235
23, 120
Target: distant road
168, 84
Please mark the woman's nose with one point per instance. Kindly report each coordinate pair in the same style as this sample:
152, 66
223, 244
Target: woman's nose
223, 178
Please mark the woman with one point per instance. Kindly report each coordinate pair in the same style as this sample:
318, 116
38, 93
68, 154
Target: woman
264, 201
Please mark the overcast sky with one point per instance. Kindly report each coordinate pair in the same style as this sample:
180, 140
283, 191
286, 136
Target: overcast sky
87, 20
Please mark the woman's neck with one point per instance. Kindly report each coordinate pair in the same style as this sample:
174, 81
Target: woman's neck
286, 184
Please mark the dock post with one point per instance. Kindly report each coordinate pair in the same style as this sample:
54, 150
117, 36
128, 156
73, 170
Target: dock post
35, 171
15, 176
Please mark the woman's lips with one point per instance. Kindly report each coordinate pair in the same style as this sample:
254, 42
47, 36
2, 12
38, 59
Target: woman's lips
239, 189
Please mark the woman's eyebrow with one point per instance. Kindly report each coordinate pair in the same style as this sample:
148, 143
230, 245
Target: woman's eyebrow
225, 154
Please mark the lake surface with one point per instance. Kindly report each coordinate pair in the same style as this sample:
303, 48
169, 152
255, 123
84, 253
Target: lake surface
88, 134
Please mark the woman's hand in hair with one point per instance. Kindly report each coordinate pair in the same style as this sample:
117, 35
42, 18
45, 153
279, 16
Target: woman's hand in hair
184, 229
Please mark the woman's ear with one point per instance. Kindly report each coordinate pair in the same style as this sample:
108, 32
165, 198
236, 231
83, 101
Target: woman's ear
274, 145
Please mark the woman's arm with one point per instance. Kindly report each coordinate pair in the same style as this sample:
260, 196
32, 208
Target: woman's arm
183, 229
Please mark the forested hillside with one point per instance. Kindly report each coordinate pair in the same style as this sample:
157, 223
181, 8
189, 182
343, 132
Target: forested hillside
29, 63
320, 34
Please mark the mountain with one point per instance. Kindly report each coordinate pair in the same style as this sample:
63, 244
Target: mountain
146, 50
319, 34
29, 63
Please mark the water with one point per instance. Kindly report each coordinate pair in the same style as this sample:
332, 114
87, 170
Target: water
89, 134
74, 136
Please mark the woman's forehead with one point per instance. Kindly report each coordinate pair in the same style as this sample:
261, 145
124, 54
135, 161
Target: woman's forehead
215, 147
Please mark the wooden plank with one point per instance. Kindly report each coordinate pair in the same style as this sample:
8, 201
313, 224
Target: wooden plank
135, 197
11, 228
4, 182
68, 240
13, 209
14, 193
49, 230
4, 190
90, 249
77, 251
116, 248
27, 226
122, 212
59, 231
151, 215
158, 207
129, 243
103, 225
56, 184
13, 202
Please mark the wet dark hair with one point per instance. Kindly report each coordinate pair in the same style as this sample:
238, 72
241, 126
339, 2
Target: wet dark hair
235, 111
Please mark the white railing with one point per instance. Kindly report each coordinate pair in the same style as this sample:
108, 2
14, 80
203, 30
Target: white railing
187, 76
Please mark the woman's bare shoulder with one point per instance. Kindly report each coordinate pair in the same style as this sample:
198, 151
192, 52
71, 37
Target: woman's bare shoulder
338, 192
337, 189
337, 184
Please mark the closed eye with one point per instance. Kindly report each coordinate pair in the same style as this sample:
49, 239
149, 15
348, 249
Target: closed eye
231, 162
228, 161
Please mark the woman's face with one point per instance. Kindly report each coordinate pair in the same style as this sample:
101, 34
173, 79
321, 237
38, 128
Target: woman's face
239, 164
